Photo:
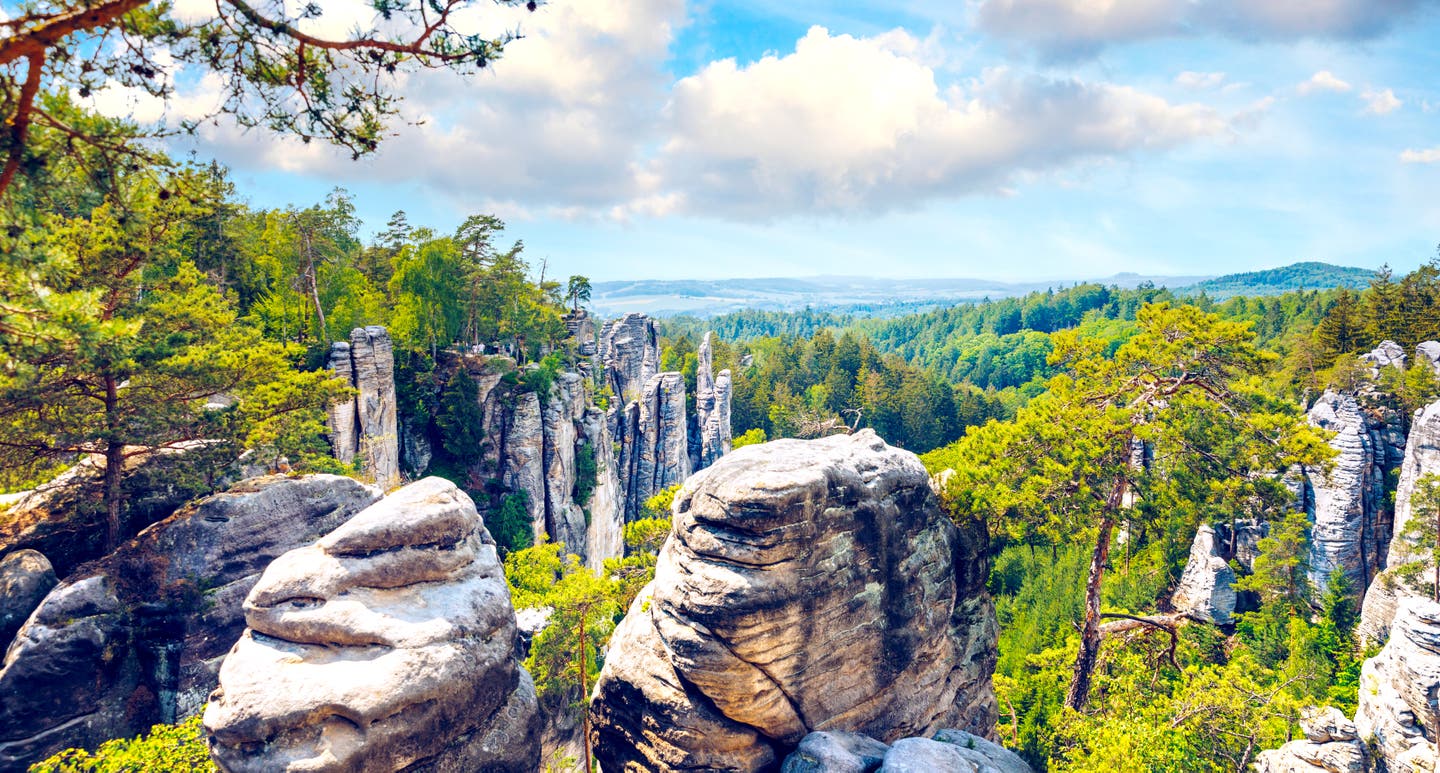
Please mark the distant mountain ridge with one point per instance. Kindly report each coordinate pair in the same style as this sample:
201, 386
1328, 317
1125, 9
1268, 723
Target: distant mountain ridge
1308, 275
875, 296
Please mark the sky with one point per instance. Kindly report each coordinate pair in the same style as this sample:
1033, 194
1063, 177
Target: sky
1000, 139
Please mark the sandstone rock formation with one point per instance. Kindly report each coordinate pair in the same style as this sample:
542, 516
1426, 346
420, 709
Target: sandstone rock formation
136, 638
654, 450
1206, 590
605, 537
1331, 744
1422, 456
367, 426
806, 585
712, 409
25, 577
387, 645
581, 327
1351, 528
630, 353
1387, 355
1397, 714
65, 518
564, 415
1428, 353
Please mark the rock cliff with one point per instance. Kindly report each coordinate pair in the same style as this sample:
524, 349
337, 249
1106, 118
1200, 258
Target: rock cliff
135, 638
389, 644
26, 576
1422, 456
806, 586
1397, 715
712, 409
1351, 524
367, 426
654, 449
630, 352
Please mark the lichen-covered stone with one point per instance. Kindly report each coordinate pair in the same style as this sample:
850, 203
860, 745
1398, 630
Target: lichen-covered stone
806, 585
387, 645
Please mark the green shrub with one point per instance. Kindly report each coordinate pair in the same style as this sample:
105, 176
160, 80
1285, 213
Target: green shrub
586, 472
511, 527
165, 749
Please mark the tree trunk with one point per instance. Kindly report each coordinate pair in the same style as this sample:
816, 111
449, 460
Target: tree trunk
1079, 693
585, 696
114, 466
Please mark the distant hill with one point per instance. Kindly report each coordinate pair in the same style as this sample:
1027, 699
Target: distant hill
1310, 275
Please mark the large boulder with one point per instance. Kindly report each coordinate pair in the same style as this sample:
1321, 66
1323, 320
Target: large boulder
388, 645
25, 578
137, 637
1206, 590
1387, 355
1397, 714
1331, 745
806, 585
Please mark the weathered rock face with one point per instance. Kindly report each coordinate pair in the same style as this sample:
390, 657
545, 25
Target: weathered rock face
368, 425
522, 468
654, 450
1397, 713
581, 327
807, 585
343, 417
606, 533
712, 409
387, 645
1331, 744
564, 412
630, 354
136, 638
1206, 590
25, 577
1422, 456
1351, 528
65, 518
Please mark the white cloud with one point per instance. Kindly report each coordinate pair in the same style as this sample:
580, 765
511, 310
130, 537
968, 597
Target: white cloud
1427, 156
1199, 80
846, 124
1382, 102
580, 119
1070, 28
1323, 81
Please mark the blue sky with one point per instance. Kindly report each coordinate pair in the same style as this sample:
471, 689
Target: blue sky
1009, 139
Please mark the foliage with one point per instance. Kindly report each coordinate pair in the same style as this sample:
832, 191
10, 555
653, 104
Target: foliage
176, 748
460, 420
749, 437
512, 527
1422, 531
586, 473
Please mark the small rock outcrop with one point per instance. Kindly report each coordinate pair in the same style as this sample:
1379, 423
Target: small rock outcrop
1387, 355
136, 638
1428, 353
654, 449
1351, 526
1206, 590
25, 577
1331, 744
949, 751
712, 409
389, 644
367, 426
1397, 714
806, 586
